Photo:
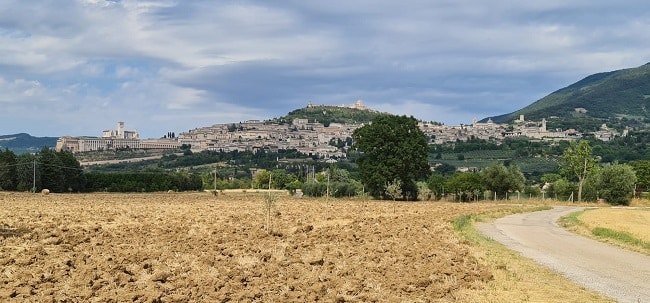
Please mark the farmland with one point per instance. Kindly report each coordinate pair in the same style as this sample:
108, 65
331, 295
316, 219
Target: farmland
196, 247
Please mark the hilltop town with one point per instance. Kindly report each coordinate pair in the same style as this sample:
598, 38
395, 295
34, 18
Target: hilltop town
311, 137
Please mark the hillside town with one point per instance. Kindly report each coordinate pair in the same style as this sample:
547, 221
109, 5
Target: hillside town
311, 137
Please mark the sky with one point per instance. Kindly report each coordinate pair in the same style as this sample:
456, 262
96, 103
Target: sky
77, 67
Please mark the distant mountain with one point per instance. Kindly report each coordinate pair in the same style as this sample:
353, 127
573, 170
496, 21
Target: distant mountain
604, 96
25, 143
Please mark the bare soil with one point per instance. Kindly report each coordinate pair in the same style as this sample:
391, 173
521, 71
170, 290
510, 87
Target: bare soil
172, 247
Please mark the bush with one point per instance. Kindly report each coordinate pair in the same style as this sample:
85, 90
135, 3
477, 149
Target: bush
336, 189
616, 184
563, 189
532, 191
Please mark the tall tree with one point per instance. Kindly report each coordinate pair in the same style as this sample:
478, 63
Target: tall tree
51, 170
393, 149
73, 176
616, 184
8, 177
27, 176
501, 179
642, 171
578, 162
467, 186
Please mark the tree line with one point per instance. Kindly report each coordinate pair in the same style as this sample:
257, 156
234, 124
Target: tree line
61, 172
389, 159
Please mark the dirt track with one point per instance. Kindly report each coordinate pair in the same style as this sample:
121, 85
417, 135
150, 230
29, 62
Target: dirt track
617, 273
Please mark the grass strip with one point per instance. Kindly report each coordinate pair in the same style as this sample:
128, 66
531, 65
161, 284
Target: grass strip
620, 236
571, 220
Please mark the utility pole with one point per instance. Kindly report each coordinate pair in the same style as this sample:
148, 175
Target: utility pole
34, 180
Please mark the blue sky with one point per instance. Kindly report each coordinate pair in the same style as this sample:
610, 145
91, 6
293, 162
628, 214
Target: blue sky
78, 67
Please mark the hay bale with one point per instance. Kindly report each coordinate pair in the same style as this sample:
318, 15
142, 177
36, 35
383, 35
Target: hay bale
45, 191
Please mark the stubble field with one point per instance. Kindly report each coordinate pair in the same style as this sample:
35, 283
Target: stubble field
172, 247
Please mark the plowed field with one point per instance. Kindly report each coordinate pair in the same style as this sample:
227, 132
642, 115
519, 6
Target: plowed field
172, 247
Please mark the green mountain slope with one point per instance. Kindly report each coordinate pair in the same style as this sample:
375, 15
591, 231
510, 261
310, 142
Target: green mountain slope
605, 96
23, 143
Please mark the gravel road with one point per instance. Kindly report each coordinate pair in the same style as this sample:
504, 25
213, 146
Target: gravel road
617, 273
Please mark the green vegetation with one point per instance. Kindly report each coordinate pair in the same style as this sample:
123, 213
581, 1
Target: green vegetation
331, 114
572, 219
142, 182
616, 98
578, 162
615, 184
56, 171
620, 236
503, 180
394, 149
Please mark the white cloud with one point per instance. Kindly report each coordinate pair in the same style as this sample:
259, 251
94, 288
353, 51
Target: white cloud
207, 62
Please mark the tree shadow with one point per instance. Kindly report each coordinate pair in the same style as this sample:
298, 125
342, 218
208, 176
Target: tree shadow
7, 231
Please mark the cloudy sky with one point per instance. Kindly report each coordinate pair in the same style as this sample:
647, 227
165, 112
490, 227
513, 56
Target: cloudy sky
76, 67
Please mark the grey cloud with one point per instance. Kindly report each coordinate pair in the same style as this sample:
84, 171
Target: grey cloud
209, 61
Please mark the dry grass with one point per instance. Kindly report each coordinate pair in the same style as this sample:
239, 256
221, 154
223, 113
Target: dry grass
633, 221
519, 279
627, 227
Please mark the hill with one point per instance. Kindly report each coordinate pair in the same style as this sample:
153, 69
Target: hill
607, 96
25, 143
332, 114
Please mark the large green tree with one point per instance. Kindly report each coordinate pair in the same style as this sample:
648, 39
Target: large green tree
74, 178
8, 177
51, 170
578, 162
501, 179
466, 186
393, 149
642, 171
616, 184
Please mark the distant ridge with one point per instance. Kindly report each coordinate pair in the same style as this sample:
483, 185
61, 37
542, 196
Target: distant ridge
616, 94
25, 143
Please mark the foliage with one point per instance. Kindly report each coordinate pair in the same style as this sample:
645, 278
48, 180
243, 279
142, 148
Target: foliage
424, 193
394, 148
51, 170
642, 172
562, 189
142, 182
616, 184
8, 176
393, 190
261, 179
74, 178
436, 184
620, 236
336, 189
532, 191
578, 162
501, 179
466, 186
331, 114
605, 96
293, 186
